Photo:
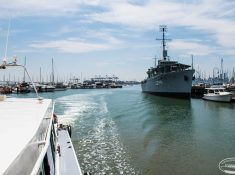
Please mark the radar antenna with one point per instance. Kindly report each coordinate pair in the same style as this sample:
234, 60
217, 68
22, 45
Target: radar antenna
163, 29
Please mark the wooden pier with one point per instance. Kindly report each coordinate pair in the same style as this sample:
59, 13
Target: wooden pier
197, 91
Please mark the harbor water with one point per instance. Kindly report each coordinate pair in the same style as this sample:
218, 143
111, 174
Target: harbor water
124, 131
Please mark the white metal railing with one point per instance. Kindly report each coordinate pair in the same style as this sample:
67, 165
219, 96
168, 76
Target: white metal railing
45, 148
13, 64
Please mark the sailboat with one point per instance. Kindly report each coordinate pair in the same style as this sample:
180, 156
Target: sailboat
41, 87
23, 87
59, 86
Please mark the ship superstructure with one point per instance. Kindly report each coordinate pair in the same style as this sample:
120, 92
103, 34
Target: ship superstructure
168, 78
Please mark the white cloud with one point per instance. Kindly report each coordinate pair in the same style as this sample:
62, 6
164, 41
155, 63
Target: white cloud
190, 47
91, 2
17, 8
89, 41
103, 35
70, 46
143, 16
213, 17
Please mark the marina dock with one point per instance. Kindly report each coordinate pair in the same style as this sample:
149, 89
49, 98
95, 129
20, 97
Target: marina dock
197, 91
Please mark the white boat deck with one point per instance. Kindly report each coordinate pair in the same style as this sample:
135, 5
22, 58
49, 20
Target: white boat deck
20, 119
68, 160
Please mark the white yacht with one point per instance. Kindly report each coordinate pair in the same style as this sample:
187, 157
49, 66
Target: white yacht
32, 141
42, 88
217, 94
48, 88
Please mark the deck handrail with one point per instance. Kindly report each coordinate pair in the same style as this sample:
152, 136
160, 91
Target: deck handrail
13, 64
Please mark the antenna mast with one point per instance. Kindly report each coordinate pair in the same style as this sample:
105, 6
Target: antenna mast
163, 29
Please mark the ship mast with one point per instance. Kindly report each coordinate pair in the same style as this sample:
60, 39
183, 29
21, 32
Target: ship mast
163, 29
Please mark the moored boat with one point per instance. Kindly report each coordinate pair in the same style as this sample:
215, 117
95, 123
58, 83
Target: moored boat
5, 90
217, 94
43, 88
60, 86
168, 78
23, 88
48, 88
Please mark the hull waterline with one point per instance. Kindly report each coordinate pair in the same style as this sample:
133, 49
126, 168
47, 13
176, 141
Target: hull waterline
174, 84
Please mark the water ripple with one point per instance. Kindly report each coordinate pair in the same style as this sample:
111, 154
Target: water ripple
98, 146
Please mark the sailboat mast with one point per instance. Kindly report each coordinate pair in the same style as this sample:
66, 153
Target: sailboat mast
52, 74
8, 31
24, 69
40, 78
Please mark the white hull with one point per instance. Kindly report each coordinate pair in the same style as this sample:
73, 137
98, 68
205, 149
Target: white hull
219, 98
48, 90
219, 94
60, 89
43, 88
44, 146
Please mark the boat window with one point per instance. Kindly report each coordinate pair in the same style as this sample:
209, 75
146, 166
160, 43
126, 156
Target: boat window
211, 91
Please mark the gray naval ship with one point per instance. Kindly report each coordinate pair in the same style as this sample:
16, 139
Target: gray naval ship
168, 78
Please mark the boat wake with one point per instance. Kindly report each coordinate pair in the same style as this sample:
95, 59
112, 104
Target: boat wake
98, 146
70, 108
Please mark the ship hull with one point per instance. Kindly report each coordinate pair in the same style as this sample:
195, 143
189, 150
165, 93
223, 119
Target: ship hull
172, 84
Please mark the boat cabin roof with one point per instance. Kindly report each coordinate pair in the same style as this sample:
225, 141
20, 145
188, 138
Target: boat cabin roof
20, 119
215, 88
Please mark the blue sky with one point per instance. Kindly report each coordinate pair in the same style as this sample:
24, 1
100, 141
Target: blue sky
106, 37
